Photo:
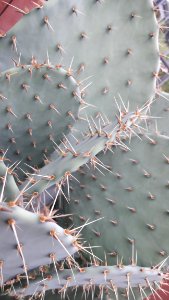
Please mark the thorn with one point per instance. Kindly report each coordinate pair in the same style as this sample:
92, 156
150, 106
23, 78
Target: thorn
150, 226
46, 21
29, 131
2, 97
81, 68
37, 98
46, 77
9, 127
105, 91
83, 35
12, 224
166, 159
151, 35
111, 201
114, 222
70, 70
109, 28
12, 140
97, 233
106, 60
17, 8
9, 110
151, 196
132, 209
3, 186
53, 107
49, 123
28, 116
129, 189
14, 43
60, 48
61, 86
25, 87
129, 51
33, 144
38, 5
146, 174
76, 11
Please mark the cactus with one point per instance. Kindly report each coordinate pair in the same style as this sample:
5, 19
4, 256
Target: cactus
36, 98
48, 103
117, 44
8, 187
70, 159
19, 252
134, 208
129, 278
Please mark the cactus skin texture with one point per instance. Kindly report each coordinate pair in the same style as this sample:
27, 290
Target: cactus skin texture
134, 208
67, 161
36, 99
126, 35
29, 240
76, 54
128, 278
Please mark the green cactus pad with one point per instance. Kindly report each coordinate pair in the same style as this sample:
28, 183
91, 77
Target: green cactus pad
36, 107
116, 43
30, 240
68, 160
133, 199
129, 278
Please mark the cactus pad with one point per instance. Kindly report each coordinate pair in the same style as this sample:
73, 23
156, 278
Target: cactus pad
29, 240
37, 107
117, 44
114, 278
132, 198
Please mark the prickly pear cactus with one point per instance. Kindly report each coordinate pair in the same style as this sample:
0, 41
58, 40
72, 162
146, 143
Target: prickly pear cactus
114, 43
72, 112
129, 190
30, 240
68, 160
106, 277
39, 103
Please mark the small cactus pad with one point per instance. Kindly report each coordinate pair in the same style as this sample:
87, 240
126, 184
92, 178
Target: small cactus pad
36, 107
132, 198
29, 240
116, 43
8, 187
129, 278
